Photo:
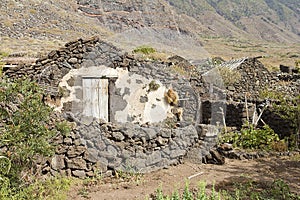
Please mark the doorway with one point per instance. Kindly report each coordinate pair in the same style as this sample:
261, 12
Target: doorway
95, 97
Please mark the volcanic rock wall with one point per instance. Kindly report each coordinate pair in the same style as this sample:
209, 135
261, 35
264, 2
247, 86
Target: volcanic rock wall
99, 147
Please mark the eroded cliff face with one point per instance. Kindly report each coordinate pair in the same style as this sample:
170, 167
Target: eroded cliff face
154, 23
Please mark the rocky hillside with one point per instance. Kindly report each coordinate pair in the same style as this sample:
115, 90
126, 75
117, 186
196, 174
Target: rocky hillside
270, 20
34, 27
175, 26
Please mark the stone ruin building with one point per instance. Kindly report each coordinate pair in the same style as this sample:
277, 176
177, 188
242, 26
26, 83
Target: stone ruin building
133, 113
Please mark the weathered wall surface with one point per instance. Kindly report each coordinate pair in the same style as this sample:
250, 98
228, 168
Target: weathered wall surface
62, 71
130, 101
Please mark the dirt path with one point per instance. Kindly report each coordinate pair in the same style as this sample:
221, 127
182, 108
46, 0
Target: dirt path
266, 170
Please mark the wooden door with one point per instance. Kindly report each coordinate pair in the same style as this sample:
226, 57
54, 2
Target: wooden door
95, 97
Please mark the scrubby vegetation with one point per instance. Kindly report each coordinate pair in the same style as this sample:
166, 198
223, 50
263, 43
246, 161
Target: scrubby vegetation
148, 52
52, 188
250, 189
229, 77
188, 194
250, 137
247, 189
26, 129
288, 108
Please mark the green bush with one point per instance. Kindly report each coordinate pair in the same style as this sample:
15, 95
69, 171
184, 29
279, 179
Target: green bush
144, 50
251, 138
25, 132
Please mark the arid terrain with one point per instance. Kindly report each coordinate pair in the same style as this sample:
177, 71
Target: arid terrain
34, 28
196, 30
261, 172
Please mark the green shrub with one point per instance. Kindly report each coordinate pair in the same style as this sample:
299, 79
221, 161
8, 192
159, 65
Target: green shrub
25, 132
144, 50
251, 138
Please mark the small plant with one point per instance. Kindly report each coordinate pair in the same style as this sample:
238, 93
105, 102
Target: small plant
187, 194
84, 192
146, 50
153, 86
129, 175
64, 128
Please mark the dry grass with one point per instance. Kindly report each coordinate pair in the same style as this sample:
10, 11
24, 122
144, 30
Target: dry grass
274, 53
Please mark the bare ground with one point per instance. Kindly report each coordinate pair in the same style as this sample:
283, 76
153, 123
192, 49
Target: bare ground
223, 176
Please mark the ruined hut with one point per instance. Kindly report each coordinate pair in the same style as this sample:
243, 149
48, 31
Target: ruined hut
129, 113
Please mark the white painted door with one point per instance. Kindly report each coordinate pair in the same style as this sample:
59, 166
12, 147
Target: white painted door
95, 97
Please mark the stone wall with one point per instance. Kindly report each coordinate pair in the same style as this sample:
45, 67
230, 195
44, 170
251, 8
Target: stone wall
99, 147
254, 77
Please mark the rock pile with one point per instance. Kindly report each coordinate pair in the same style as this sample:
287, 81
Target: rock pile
254, 77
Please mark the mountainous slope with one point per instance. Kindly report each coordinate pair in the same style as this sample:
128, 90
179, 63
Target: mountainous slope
175, 26
269, 20
37, 26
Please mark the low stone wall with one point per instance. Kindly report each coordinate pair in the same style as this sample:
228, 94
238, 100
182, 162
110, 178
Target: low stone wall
141, 149
98, 147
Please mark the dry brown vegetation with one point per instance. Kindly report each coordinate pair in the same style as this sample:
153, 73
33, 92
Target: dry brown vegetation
273, 54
